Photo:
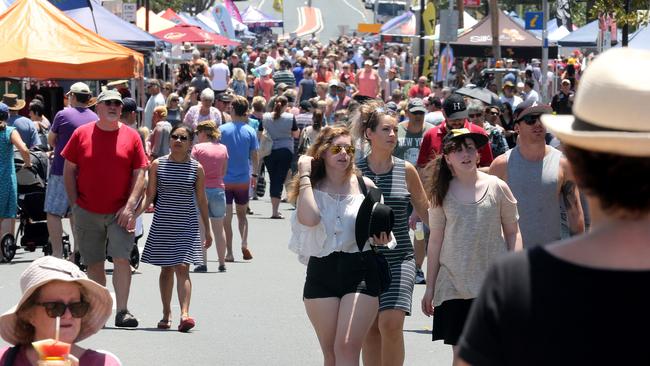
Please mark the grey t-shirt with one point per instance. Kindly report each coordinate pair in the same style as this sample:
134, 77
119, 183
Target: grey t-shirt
280, 129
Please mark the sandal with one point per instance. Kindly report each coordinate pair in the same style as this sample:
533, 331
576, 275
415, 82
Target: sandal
247, 254
186, 324
164, 324
278, 216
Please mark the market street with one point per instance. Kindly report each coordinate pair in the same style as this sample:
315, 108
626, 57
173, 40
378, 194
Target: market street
250, 315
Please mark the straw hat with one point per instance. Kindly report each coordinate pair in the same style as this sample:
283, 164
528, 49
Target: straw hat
47, 269
610, 111
12, 101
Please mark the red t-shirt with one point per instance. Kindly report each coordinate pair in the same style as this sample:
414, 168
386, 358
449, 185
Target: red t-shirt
417, 92
105, 163
432, 145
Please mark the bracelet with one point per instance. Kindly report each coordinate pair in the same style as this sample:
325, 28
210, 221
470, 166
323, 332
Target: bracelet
254, 175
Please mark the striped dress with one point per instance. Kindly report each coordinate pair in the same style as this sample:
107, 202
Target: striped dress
401, 259
174, 237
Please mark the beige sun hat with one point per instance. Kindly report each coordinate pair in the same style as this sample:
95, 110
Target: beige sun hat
47, 269
611, 107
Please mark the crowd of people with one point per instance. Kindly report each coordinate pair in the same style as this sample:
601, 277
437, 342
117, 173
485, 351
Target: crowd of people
330, 125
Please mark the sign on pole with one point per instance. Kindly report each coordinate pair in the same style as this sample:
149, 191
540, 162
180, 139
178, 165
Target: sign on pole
472, 3
448, 25
534, 20
128, 12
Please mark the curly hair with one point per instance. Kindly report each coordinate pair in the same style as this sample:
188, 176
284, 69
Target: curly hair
367, 116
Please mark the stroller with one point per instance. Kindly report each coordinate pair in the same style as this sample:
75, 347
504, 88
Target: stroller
32, 220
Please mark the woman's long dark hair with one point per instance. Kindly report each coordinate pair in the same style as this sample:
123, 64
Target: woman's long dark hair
438, 174
279, 106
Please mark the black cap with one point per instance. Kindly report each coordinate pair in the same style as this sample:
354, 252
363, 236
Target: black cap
129, 105
454, 107
224, 97
416, 105
305, 104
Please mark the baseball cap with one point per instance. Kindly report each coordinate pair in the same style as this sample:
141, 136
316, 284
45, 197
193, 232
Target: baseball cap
566, 81
281, 86
224, 97
392, 106
454, 107
508, 83
462, 133
305, 104
130, 105
79, 88
416, 105
109, 95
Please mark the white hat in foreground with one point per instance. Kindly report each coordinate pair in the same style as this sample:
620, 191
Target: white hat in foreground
611, 112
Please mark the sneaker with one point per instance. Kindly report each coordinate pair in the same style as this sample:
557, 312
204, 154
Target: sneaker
124, 319
222, 268
419, 277
201, 269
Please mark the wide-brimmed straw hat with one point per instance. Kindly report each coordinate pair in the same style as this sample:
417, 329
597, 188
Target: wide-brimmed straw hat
12, 101
48, 269
611, 109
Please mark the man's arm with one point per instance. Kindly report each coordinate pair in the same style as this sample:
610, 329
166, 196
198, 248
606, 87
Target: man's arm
127, 213
499, 168
70, 181
51, 138
571, 197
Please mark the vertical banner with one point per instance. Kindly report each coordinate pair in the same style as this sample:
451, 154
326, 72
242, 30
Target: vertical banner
278, 5
233, 10
445, 63
65, 5
429, 22
223, 19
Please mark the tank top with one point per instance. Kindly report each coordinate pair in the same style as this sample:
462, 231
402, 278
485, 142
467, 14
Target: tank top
534, 184
367, 84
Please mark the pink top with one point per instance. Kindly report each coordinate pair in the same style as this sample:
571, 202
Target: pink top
266, 85
368, 83
88, 358
194, 116
212, 156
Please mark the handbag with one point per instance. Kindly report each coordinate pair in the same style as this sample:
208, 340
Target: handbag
260, 188
266, 145
383, 269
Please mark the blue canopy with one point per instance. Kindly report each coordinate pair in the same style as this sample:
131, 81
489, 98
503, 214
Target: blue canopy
114, 28
640, 39
197, 22
585, 36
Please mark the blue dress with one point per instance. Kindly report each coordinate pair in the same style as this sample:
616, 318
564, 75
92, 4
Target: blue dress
8, 195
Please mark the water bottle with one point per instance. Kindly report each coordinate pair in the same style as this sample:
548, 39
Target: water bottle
419, 231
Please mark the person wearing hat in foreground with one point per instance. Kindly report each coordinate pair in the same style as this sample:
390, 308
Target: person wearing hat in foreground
472, 222
537, 307
104, 185
65, 123
51, 288
24, 126
9, 138
541, 180
343, 279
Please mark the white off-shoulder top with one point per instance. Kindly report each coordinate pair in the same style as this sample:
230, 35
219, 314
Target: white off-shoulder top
334, 232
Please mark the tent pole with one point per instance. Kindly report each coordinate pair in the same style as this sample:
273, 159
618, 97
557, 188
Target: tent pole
545, 53
92, 14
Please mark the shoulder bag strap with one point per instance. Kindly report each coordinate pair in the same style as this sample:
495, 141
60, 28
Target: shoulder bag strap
362, 185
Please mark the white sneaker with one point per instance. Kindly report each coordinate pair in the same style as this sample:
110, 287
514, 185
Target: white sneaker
419, 277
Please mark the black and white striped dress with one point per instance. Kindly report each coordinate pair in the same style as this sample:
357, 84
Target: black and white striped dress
174, 237
401, 258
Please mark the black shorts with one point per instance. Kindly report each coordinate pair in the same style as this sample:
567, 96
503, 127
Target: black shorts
339, 274
449, 319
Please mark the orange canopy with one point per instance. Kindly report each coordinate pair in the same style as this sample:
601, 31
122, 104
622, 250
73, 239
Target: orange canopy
40, 41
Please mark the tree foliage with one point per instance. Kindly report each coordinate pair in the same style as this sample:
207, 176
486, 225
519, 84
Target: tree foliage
192, 6
618, 8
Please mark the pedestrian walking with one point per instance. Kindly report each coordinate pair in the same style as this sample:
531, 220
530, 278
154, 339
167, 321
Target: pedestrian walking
24, 126
204, 111
219, 75
401, 186
174, 110
473, 221
536, 308
541, 180
342, 285
368, 82
282, 129
159, 138
156, 99
104, 185
242, 144
177, 183
64, 124
213, 157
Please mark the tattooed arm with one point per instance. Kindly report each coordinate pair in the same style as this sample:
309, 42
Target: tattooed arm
571, 197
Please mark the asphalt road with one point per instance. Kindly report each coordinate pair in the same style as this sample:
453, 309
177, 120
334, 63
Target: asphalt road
250, 315
335, 13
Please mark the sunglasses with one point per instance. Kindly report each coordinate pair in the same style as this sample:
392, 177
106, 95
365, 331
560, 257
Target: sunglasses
179, 137
530, 120
55, 308
493, 113
337, 149
114, 103
474, 115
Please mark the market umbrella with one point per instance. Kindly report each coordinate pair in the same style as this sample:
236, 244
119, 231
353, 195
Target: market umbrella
482, 94
181, 33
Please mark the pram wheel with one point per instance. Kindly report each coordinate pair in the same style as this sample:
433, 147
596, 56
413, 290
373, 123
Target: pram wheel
47, 249
8, 248
77, 261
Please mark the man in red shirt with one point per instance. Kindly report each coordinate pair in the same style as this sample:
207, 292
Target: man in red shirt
455, 112
104, 178
421, 90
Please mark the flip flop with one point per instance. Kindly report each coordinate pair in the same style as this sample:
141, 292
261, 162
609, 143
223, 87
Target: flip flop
164, 324
247, 254
278, 217
186, 324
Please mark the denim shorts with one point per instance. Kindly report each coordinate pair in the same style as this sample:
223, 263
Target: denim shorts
216, 202
56, 198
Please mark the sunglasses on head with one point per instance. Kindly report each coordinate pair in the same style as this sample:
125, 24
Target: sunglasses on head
115, 103
57, 308
335, 149
474, 115
179, 137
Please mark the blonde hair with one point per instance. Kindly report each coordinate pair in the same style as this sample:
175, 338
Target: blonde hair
238, 74
210, 128
171, 96
259, 103
161, 110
